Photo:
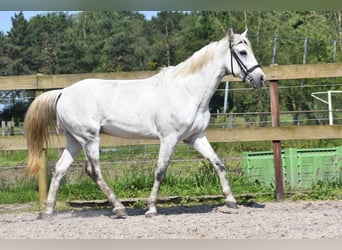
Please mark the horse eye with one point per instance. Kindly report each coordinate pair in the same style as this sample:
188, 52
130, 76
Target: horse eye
243, 53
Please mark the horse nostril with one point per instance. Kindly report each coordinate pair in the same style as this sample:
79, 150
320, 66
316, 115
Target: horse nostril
262, 80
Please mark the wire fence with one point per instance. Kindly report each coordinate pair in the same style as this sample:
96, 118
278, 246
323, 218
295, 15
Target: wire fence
120, 160
284, 50
263, 119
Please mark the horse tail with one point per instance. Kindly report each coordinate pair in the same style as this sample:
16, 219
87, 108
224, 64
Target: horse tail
38, 120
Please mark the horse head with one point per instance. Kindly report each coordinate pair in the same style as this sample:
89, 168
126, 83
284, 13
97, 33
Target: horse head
242, 62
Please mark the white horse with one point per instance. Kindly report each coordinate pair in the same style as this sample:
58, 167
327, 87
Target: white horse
171, 106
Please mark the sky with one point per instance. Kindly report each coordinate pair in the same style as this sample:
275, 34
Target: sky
6, 23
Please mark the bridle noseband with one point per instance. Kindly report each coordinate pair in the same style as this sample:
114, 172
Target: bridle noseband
242, 66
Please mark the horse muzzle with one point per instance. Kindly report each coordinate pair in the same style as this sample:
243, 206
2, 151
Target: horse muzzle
257, 78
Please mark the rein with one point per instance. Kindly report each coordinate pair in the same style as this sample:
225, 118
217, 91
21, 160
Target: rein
242, 66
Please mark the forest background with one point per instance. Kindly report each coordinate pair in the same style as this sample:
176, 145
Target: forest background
114, 41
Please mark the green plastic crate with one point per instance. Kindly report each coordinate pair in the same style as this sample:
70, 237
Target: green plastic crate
309, 166
302, 168
259, 167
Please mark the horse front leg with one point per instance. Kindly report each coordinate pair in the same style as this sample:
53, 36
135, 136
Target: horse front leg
201, 144
167, 146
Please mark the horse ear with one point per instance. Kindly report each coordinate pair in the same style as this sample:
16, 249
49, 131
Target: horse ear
231, 34
244, 33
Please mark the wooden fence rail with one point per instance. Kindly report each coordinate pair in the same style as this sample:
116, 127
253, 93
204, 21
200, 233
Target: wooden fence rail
284, 72
311, 132
274, 134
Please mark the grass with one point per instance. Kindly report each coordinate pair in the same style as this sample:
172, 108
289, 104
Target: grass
136, 180
12, 158
21, 192
320, 191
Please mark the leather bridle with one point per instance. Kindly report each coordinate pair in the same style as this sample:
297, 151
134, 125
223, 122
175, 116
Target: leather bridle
243, 67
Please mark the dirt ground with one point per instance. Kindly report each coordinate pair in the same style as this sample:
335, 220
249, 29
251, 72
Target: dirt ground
283, 220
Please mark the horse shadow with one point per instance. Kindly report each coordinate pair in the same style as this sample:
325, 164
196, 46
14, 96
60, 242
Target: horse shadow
91, 212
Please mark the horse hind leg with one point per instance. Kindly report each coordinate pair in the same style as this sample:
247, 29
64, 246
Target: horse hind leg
94, 171
89, 170
67, 157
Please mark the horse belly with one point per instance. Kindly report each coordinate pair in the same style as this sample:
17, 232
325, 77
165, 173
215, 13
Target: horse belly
130, 131
128, 112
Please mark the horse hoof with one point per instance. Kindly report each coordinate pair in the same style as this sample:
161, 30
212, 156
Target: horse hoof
120, 212
152, 212
44, 216
231, 204
149, 214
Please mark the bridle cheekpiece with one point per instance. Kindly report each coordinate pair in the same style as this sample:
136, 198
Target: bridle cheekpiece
242, 66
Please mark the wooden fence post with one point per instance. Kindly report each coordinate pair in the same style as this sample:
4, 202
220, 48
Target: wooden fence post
42, 174
278, 168
42, 180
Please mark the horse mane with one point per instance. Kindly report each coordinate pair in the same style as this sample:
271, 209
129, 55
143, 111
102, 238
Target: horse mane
202, 57
196, 62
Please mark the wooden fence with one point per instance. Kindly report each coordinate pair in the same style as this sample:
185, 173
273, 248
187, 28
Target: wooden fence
283, 72
275, 133
312, 132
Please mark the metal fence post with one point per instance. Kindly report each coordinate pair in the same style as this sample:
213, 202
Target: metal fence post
274, 51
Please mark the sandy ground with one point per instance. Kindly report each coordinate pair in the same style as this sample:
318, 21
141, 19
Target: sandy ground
284, 220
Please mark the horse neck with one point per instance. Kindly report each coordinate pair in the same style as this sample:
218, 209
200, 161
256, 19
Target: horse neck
205, 81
